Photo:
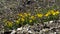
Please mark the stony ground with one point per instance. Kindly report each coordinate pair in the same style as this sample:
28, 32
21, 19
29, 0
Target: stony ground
9, 9
51, 27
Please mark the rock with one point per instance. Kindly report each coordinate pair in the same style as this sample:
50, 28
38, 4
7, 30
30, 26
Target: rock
54, 32
50, 22
30, 31
13, 32
19, 29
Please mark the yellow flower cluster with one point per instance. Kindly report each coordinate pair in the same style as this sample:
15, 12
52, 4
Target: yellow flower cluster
39, 15
30, 21
47, 14
18, 21
9, 23
24, 14
52, 12
22, 19
32, 17
29, 18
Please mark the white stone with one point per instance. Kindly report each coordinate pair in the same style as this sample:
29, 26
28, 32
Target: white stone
50, 22
29, 31
54, 32
13, 32
19, 29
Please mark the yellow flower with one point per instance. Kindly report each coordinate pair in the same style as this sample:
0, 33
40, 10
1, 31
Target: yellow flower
53, 12
22, 19
39, 15
47, 14
30, 21
33, 17
18, 21
57, 12
25, 14
9, 24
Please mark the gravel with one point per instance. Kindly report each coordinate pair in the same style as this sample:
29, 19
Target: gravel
38, 29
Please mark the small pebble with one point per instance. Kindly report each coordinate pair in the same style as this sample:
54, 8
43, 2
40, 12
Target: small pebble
29, 31
13, 32
19, 29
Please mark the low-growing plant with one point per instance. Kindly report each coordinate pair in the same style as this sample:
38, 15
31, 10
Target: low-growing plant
28, 18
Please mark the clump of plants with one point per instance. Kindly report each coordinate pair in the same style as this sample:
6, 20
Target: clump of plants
28, 18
